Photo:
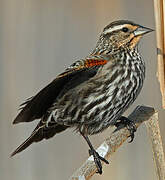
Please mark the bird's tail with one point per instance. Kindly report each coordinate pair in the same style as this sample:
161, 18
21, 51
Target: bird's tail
40, 132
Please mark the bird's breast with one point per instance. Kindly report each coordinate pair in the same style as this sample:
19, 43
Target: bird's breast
116, 86
102, 98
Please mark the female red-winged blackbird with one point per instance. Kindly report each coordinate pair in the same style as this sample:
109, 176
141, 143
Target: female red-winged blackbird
92, 93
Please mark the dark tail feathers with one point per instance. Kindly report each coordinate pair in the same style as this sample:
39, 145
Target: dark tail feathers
40, 132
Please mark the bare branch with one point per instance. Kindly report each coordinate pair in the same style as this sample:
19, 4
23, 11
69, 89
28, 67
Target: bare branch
159, 22
158, 154
112, 143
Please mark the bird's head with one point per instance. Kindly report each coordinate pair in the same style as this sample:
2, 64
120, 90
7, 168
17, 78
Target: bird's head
121, 34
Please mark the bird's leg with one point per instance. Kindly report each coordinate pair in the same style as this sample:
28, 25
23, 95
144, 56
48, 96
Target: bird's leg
125, 122
95, 155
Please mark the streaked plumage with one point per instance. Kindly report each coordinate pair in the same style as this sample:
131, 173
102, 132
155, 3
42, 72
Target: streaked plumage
93, 93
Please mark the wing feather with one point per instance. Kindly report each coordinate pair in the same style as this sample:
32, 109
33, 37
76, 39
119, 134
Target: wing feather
78, 72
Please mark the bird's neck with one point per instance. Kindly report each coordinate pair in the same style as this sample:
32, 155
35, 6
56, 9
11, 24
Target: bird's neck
108, 53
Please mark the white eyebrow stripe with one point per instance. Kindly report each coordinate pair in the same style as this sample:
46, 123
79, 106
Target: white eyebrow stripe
115, 28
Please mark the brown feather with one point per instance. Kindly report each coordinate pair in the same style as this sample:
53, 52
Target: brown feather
40, 132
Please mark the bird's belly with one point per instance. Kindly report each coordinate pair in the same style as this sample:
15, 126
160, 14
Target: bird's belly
108, 111
100, 107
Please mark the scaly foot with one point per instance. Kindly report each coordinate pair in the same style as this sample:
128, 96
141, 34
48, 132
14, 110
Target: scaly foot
97, 159
125, 122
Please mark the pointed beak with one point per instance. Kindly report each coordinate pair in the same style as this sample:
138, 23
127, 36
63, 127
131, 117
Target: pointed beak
142, 30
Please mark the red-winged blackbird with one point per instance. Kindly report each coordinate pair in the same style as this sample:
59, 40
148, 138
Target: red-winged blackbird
93, 93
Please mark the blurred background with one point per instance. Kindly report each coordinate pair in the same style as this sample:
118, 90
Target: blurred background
38, 39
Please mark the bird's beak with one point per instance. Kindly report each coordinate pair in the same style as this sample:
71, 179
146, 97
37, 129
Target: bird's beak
142, 30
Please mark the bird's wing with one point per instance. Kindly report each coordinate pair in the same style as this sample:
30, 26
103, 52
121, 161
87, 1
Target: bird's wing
37, 106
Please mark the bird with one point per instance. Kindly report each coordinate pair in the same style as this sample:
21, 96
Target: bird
92, 93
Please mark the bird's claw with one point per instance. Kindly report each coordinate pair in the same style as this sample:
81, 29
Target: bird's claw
97, 159
132, 129
125, 122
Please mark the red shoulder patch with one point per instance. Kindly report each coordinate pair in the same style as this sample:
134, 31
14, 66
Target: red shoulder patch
86, 64
94, 62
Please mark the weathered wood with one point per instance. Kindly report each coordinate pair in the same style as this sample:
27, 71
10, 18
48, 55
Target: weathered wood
157, 147
160, 36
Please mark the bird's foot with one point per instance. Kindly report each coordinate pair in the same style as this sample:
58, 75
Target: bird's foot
125, 122
97, 159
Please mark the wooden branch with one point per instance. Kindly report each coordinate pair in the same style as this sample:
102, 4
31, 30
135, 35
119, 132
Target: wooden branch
112, 143
159, 8
157, 147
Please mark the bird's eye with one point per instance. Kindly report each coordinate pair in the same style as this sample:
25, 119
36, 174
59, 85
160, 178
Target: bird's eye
125, 29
